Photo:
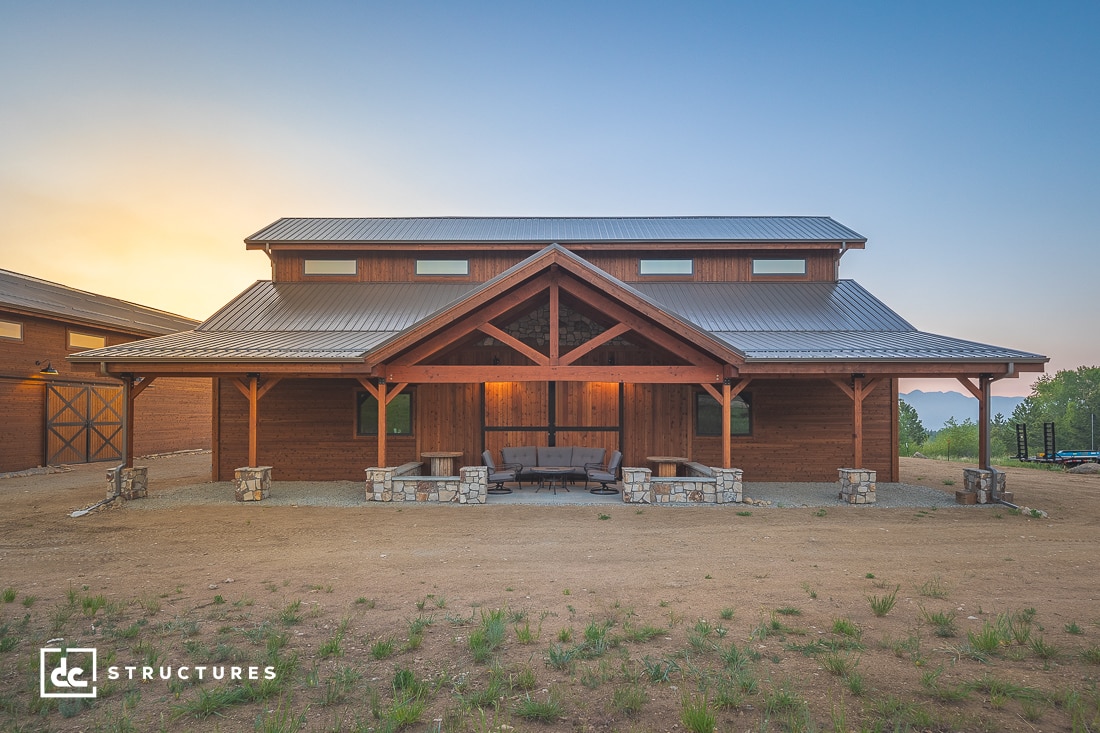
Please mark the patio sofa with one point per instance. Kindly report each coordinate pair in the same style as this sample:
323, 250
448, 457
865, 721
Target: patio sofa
526, 457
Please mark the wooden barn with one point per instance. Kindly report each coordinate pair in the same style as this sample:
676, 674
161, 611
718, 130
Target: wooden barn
55, 415
728, 341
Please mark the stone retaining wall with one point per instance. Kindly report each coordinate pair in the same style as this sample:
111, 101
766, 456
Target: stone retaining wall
469, 487
640, 487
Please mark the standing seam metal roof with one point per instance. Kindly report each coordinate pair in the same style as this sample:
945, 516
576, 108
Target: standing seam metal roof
52, 300
559, 229
765, 321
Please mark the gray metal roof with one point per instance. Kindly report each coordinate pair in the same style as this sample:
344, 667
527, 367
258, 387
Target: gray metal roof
754, 306
235, 346
544, 230
50, 300
865, 346
765, 321
297, 306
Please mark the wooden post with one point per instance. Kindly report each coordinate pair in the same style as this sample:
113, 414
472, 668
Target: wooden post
555, 321
984, 403
857, 421
253, 420
128, 421
381, 396
982, 393
727, 401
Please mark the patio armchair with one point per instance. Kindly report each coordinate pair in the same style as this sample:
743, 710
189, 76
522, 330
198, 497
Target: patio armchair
604, 474
498, 475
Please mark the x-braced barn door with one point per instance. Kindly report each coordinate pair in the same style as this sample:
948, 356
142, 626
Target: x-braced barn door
83, 423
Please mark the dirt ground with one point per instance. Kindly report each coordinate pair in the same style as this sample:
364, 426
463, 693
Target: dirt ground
767, 580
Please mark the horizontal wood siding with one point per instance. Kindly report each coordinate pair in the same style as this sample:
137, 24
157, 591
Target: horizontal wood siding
21, 429
709, 266
802, 431
171, 415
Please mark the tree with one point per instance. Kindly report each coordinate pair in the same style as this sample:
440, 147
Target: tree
955, 440
911, 432
1068, 399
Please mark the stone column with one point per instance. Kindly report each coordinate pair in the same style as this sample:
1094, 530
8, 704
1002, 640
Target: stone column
729, 485
379, 484
637, 486
129, 483
979, 481
857, 485
252, 483
473, 484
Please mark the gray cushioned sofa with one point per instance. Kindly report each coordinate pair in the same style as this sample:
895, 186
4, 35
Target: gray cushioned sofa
575, 457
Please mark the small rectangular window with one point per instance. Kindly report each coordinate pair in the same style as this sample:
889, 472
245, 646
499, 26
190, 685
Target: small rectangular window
779, 267
79, 340
666, 267
330, 267
11, 330
708, 415
443, 267
399, 420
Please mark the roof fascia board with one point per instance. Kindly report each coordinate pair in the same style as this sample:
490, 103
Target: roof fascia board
535, 245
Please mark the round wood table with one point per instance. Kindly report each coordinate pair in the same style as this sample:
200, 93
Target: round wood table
666, 465
443, 461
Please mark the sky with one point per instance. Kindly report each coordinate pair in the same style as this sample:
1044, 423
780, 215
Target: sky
141, 142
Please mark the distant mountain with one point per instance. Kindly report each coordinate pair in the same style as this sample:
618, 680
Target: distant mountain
936, 408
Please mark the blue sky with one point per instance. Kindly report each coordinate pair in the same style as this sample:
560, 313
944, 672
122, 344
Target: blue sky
141, 142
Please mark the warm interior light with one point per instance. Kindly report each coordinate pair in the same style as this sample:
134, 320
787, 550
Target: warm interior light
48, 369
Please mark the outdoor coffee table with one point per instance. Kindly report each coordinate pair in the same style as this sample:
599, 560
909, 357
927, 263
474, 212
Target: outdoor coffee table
549, 474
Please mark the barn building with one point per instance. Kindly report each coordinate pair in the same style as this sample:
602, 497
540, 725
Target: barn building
729, 341
55, 415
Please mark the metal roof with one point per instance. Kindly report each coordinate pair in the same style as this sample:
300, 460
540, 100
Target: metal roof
865, 346
765, 321
755, 306
50, 300
218, 346
545, 230
297, 306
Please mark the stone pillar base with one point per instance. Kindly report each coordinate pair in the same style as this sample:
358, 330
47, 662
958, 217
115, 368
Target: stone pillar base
979, 481
857, 485
129, 483
252, 484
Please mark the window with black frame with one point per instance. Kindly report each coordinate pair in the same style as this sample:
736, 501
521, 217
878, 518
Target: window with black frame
708, 415
399, 414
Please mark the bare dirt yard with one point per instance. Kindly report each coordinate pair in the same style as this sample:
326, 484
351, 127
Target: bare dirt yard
556, 618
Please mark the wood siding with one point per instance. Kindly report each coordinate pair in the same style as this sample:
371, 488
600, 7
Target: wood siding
709, 266
172, 416
802, 430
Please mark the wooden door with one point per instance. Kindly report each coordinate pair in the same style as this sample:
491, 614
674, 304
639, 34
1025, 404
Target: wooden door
83, 423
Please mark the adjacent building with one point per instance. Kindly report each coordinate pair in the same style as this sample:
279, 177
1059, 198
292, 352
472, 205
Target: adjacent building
56, 415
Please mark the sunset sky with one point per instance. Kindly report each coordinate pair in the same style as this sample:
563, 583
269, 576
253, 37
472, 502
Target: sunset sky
141, 142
